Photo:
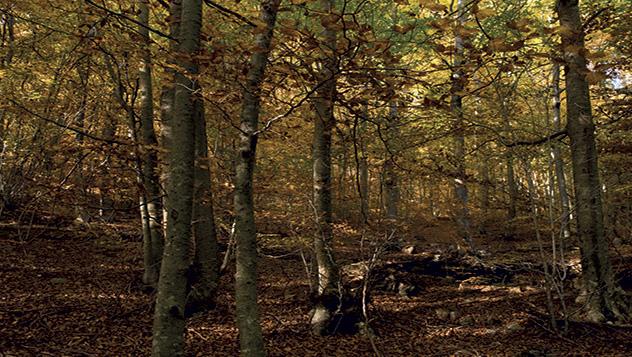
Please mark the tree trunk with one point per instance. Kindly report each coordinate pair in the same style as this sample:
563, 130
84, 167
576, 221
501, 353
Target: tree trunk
484, 194
169, 321
150, 273
342, 175
512, 187
456, 106
327, 275
8, 33
557, 155
83, 70
205, 269
364, 166
167, 96
152, 195
250, 337
604, 297
391, 179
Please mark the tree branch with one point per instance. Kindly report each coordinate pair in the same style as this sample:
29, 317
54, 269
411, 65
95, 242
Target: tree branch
229, 12
125, 17
556, 135
67, 127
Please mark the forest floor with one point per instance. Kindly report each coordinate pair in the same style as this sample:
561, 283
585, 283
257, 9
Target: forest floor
76, 291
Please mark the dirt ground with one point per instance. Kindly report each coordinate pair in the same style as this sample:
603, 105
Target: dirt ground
75, 291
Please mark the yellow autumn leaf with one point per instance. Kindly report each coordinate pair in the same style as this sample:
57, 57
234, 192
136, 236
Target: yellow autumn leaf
403, 28
485, 13
432, 5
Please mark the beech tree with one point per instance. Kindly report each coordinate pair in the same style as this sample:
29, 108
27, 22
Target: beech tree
152, 201
603, 296
328, 287
250, 337
456, 106
169, 318
140, 138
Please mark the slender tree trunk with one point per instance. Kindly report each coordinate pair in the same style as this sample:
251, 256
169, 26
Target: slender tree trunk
149, 143
250, 336
83, 70
431, 187
604, 297
150, 272
364, 166
8, 33
484, 194
169, 320
205, 270
557, 155
106, 204
512, 187
456, 106
167, 97
391, 179
328, 278
343, 163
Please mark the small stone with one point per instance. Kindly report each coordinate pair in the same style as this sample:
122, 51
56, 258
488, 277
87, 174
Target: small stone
58, 280
454, 315
409, 249
442, 313
404, 290
514, 326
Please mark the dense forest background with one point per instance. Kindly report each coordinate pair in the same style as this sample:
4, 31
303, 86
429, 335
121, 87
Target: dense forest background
315, 177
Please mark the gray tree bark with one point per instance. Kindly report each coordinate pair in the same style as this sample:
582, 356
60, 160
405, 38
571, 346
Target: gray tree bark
327, 274
169, 320
250, 336
167, 95
152, 205
83, 71
363, 166
204, 273
462, 213
120, 95
8, 33
391, 178
557, 155
512, 187
603, 297
485, 181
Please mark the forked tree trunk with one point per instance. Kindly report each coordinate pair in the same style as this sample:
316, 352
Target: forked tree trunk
456, 106
204, 275
250, 337
327, 275
152, 200
169, 320
557, 155
603, 297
